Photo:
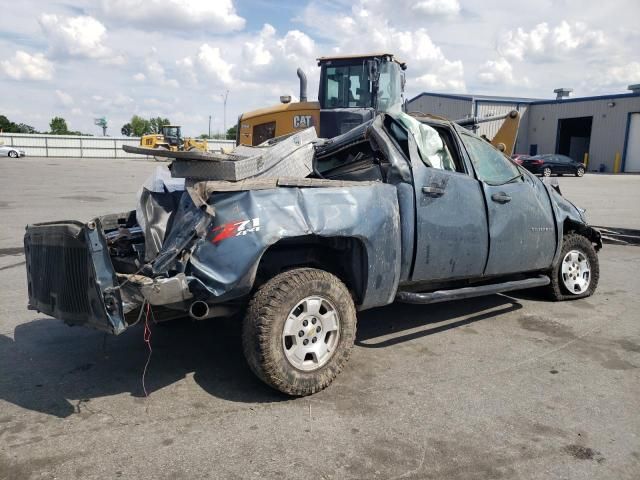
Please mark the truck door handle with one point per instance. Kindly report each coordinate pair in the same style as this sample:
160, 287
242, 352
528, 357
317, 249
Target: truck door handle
433, 191
501, 197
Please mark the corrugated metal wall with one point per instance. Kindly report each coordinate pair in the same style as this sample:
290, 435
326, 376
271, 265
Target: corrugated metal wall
452, 108
489, 109
607, 130
80, 146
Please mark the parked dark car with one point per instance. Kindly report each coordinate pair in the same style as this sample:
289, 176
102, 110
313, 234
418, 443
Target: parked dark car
553, 163
519, 157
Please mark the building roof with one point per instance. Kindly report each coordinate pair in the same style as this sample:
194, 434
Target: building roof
531, 101
483, 98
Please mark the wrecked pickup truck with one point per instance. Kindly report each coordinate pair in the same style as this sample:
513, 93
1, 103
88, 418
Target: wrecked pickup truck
298, 234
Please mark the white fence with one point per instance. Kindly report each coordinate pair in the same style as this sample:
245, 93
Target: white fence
37, 145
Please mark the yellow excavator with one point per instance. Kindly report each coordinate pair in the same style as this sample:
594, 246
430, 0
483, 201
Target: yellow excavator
170, 138
352, 90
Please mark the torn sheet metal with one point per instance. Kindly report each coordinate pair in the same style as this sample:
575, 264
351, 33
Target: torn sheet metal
291, 156
158, 198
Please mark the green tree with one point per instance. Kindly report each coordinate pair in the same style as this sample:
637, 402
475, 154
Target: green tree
126, 130
140, 126
24, 128
231, 133
58, 126
6, 125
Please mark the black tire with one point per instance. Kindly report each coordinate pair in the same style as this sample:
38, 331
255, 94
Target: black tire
262, 330
579, 172
546, 172
557, 289
13, 154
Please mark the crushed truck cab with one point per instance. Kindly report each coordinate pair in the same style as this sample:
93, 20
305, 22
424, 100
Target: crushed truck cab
299, 233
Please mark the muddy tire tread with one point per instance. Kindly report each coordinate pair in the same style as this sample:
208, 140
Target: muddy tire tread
260, 322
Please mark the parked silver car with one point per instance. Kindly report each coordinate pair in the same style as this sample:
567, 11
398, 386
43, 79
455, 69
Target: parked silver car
6, 150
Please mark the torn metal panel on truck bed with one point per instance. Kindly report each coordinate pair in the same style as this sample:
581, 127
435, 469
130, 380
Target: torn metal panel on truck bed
291, 156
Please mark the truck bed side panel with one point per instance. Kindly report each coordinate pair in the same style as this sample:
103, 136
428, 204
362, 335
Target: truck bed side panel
225, 260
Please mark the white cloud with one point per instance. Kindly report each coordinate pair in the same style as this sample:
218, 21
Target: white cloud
368, 28
500, 72
449, 45
297, 45
616, 77
155, 72
255, 52
543, 43
213, 15
26, 66
437, 7
81, 36
214, 66
64, 98
629, 73
121, 100
186, 69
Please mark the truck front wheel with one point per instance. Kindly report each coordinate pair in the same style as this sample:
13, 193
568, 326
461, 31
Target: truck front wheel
299, 330
577, 273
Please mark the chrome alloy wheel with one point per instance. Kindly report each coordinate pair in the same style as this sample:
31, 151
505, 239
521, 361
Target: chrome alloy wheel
576, 272
311, 333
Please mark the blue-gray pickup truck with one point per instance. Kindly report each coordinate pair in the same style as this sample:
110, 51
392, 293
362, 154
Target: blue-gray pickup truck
296, 236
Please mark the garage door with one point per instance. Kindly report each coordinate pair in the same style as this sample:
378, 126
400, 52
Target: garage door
632, 157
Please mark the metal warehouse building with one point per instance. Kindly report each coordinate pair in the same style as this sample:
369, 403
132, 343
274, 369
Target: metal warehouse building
606, 128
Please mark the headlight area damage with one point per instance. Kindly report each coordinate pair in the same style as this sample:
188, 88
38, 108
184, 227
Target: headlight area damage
214, 227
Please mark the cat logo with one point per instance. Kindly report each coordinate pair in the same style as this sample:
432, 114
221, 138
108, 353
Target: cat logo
302, 121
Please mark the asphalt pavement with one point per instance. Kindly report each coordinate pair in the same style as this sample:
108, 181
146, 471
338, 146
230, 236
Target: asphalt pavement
505, 386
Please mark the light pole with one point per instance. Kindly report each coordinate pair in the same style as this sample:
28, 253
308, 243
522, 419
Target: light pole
209, 126
224, 114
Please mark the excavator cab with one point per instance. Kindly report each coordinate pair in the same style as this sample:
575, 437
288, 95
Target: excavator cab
354, 88
172, 135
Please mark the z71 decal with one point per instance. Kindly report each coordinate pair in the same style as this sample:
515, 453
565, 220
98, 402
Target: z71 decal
235, 229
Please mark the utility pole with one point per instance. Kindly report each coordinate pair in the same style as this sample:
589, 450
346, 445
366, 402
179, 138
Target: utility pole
209, 126
224, 117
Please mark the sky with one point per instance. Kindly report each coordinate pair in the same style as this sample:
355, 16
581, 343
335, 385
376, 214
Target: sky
84, 59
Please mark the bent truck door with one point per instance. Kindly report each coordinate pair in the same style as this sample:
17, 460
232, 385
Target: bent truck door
521, 220
451, 223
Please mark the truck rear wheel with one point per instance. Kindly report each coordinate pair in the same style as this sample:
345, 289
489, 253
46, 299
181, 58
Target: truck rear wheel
299, 330
577, 273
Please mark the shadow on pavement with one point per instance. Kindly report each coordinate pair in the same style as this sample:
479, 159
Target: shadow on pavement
397, 323
51, 368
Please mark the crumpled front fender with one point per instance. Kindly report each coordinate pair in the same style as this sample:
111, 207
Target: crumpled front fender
567, 214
